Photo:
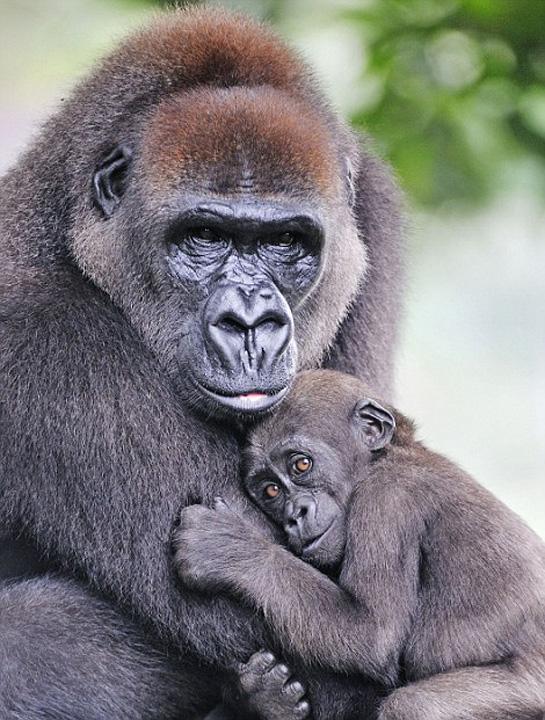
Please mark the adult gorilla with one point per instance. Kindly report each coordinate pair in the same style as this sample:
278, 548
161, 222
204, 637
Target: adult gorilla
192, 227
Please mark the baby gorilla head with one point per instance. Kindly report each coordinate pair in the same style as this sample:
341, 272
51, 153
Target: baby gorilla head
301, 461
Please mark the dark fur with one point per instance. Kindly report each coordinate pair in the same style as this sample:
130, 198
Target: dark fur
56, 634
441, 587
98, 450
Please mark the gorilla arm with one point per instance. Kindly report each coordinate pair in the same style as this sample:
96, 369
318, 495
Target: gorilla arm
358, 626
132, 446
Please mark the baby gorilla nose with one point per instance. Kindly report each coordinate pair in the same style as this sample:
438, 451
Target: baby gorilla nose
300, 521
298, 509
248, 328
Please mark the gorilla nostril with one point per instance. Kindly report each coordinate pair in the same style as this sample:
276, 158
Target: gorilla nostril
267, 324
229, 323
271, 322
298, 514
246, 291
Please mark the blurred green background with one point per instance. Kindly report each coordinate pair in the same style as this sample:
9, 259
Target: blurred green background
453, 91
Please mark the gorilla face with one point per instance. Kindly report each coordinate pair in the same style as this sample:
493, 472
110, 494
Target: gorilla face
247, 265
303, 485
221, 221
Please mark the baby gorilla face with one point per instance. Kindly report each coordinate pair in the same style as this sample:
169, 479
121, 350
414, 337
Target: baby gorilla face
301, 486
300, 462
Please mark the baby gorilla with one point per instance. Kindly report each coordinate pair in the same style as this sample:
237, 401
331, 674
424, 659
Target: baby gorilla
402, 568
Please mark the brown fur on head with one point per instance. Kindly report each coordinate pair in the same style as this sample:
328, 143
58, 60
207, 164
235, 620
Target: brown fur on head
195, 48
209, 46
242, 139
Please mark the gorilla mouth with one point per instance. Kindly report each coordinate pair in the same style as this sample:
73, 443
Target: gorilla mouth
315, 543
248, 403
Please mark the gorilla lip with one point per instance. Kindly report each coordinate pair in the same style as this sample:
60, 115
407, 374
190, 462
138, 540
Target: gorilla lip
254, 396
309, 547
250, 402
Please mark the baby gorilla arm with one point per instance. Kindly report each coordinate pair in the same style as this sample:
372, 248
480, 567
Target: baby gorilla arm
358, 629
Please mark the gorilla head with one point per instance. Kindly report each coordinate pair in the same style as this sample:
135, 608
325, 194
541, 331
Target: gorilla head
220, 218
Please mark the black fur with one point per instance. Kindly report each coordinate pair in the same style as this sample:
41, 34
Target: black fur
98, 447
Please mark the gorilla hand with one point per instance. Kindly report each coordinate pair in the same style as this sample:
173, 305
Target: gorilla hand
214, 545
270, 690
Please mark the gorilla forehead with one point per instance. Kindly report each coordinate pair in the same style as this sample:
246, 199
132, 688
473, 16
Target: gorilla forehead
321, 405
255, 139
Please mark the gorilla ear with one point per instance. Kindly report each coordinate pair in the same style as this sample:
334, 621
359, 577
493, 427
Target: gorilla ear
109, 179
377, 424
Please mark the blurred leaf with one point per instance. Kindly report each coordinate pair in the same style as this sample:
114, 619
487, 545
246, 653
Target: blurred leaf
461, 94
532, 109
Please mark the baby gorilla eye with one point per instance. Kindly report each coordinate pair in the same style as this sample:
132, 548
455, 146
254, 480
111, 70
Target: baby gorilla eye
272, 490
301, 464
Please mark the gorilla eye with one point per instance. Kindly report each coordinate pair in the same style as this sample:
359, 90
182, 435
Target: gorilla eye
284, 240
272, 490
301, 464
205, 234
203, 240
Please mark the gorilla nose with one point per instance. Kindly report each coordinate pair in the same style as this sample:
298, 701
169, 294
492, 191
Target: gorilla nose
248, 327
300, 516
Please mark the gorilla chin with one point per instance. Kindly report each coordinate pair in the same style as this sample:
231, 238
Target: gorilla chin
248, 395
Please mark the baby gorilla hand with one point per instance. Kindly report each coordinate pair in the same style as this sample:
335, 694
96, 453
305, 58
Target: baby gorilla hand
210, 543
270, 691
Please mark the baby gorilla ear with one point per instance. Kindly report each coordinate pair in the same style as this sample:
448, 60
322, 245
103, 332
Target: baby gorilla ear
377, 424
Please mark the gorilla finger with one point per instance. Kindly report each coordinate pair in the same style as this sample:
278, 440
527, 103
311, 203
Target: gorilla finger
189, 511
192, 517
301, 710
252, 673
295, 690
280, 672
260, 663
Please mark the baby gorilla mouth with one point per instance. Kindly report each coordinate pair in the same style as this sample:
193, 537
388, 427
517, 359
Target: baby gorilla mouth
313, 544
